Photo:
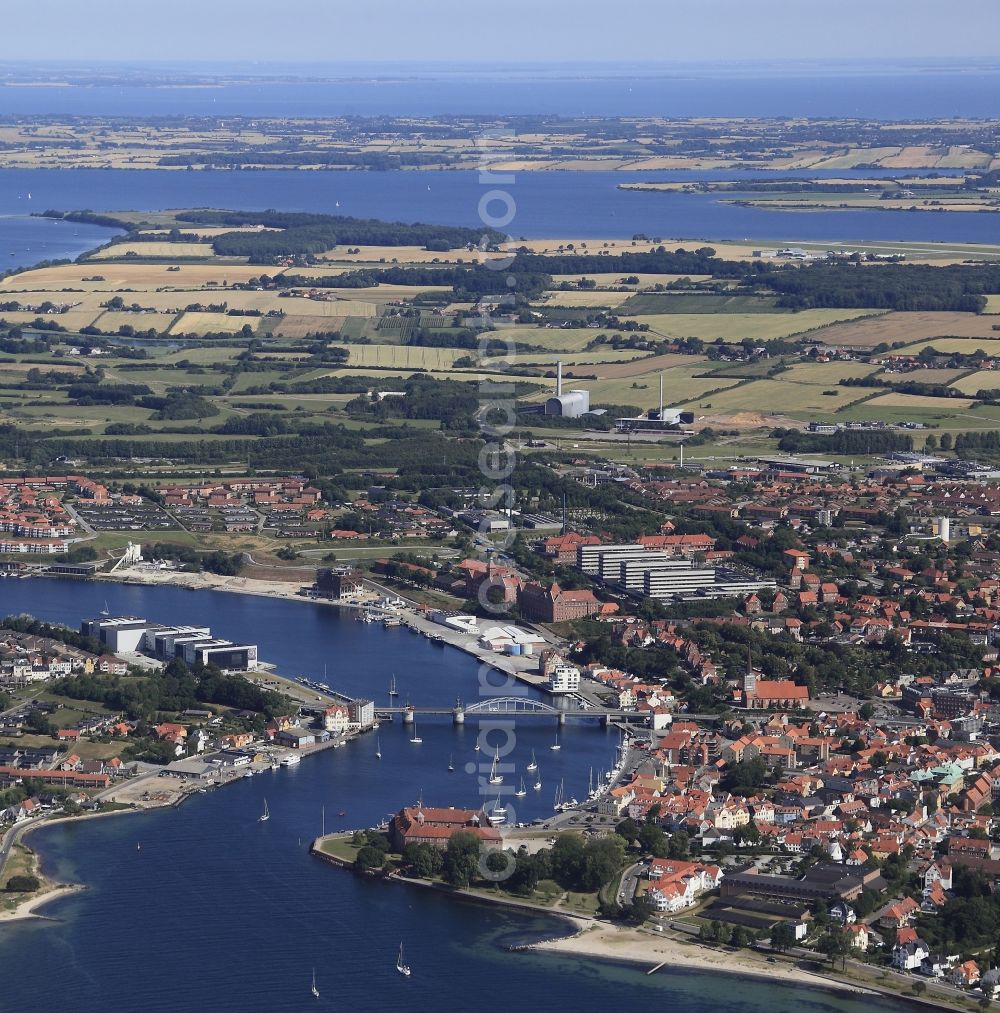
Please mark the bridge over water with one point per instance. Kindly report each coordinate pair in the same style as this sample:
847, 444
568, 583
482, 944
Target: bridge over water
521, 707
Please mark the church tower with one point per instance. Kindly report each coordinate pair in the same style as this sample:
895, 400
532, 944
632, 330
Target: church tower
749, 680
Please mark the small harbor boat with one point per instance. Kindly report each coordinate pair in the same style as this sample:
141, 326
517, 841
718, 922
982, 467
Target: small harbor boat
495, 776
404, 969
265, 815
378, 749
521, 792
314, 989
538, 784
533, 765
498, 814
556, 746
557, 802
414, 738
476, 747
392, 687
291, 759
451, 762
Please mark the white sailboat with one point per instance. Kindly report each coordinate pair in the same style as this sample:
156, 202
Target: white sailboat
378, 748
556, 745
265, 815
105, 611
416, 739
314, 989
521, 792
403, 969
495, 776
392, 687
498, 814
557, 802
451, 762
534, 763
538, 782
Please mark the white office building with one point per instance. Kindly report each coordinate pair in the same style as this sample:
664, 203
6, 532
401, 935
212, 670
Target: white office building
564, 678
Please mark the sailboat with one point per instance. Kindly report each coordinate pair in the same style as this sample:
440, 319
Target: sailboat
400, 966
378, 749
538, 782
105, 611
392, 687
557, 802
265, 815
314, 989
451, 762
521, 792
555, 745
477, 747
534, 763
414, 737
498, 814
495, 776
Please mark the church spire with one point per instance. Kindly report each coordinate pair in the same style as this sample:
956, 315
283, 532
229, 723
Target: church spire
749, 679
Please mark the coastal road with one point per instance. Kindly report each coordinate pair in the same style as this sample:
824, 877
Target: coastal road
13, 835
629, 882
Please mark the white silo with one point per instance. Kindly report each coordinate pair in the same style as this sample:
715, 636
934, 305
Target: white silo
942, 528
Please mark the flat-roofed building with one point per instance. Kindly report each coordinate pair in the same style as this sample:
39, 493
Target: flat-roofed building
588, 557
632, 572
222, 653
119, 633
161, 641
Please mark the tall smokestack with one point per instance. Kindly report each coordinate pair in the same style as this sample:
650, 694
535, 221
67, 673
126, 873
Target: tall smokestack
559, 379
660, 416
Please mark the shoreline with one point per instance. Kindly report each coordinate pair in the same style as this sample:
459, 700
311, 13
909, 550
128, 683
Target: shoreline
579, 922
28, 908
605, 941
601, 940
288, 591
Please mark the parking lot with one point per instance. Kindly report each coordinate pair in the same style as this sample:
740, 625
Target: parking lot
125, 517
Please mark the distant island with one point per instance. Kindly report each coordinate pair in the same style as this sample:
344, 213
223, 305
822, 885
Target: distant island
524, 143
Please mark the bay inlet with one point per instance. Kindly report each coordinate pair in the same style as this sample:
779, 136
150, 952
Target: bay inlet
218, 906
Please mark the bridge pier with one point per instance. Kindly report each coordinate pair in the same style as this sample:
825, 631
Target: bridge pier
605, 720
458, 715
562, 719
408, 716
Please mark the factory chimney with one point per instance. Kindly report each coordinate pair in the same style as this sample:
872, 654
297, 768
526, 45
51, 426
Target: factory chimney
559, 379
660, 416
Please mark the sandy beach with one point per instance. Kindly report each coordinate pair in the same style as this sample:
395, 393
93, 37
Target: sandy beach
288, 589
28, 908
610, 942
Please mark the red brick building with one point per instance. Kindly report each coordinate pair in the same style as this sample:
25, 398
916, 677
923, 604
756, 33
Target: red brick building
554, 605
435, 826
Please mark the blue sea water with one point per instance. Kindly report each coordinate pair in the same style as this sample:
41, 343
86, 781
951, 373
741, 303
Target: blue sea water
233, 915
545, 205
907, 93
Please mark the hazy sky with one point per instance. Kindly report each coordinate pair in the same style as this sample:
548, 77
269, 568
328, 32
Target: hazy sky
497, 31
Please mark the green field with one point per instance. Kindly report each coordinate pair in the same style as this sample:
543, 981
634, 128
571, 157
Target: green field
778, 396
737, 326
646, 303
991, 346
983, 379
